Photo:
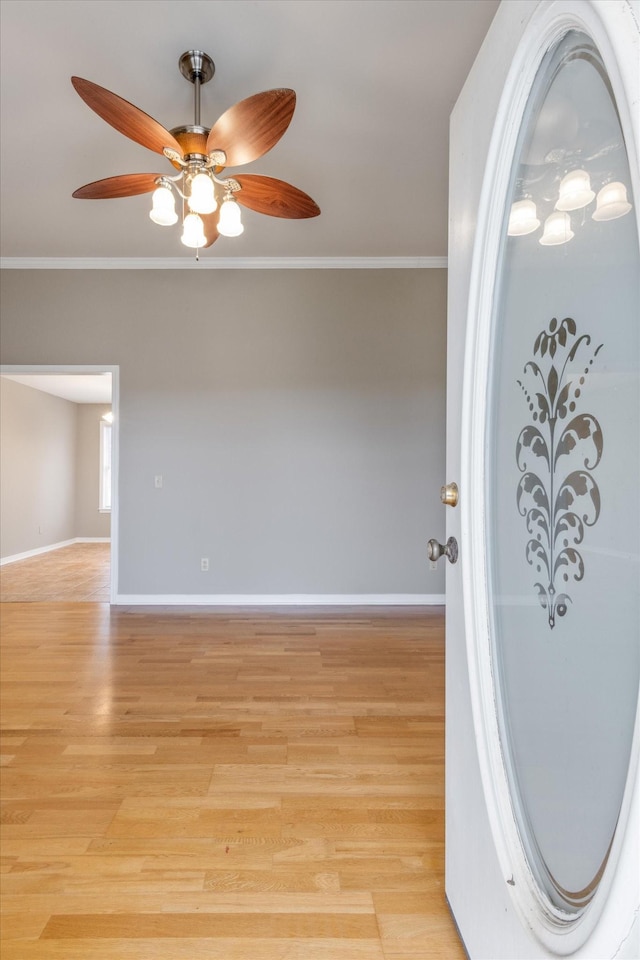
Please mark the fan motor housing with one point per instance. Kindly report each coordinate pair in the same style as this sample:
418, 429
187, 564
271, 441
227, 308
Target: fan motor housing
193, 140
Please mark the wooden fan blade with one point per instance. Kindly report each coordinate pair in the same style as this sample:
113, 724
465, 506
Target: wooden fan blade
274, 197
126, 185
127, 119
250, 128
210, 226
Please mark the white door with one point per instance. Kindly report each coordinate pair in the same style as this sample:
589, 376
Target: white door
543, 434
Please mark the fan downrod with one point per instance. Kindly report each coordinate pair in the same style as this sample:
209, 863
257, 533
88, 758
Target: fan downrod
198, 68
196, 65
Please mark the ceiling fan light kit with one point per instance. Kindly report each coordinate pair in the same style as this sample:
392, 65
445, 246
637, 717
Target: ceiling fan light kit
210, 201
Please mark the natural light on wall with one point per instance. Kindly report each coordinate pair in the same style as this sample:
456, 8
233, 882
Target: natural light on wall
104, 504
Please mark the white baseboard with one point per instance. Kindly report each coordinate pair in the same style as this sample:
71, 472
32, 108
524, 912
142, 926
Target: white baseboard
36, 552
281, 600
51, 546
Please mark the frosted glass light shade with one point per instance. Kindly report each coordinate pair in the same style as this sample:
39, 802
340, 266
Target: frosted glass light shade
611, 202
163, 210
193, 231
575, 191
229, 224
557, 230
523, 218
202, 198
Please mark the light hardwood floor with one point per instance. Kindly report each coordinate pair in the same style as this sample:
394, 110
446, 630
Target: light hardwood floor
229, 786
79, 572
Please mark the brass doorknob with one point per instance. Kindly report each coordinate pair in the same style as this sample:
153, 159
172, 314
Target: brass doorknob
449, 494
449, 550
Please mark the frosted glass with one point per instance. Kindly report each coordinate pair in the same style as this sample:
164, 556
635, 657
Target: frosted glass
563, 507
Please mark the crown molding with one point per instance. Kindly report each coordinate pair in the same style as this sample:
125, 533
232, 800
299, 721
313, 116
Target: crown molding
223, 263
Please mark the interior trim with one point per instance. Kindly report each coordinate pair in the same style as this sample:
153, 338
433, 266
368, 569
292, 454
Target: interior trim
223, 263
25, 555
282, 600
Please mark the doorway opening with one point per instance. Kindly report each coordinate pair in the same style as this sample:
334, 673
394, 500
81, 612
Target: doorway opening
83, 538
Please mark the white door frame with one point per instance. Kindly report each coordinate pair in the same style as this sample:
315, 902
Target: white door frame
603, 929
10, 369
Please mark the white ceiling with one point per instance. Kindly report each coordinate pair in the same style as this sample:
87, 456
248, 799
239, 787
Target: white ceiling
79, 388
376, 81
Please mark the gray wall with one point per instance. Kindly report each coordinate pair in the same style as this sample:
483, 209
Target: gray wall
37, 479
297, 418
89, 522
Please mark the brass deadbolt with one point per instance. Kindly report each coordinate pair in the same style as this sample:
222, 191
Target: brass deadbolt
449, 495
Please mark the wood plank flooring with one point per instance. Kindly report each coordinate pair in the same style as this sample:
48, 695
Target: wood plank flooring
244, 785
78, 572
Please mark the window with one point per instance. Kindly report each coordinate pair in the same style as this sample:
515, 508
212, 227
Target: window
104, 505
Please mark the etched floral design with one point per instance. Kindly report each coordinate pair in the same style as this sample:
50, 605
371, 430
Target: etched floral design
557, 493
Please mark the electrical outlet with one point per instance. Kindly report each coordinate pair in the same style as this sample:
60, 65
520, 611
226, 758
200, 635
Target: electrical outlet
157, 480
204, 564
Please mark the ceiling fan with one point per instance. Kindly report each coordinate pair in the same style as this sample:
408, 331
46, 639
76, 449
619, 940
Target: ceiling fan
210, 201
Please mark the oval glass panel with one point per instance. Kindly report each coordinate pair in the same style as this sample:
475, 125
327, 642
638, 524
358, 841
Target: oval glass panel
562, 503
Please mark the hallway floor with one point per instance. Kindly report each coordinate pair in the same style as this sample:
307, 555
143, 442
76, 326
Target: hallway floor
79, 572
